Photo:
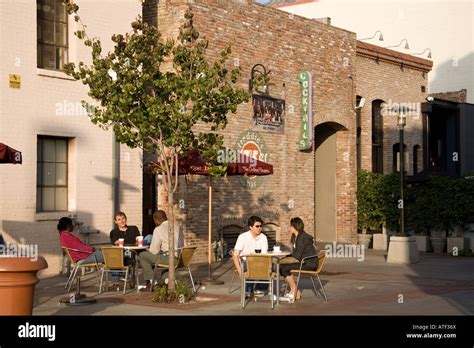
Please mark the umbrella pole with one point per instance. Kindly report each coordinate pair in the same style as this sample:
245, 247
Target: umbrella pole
210, 233
209, 279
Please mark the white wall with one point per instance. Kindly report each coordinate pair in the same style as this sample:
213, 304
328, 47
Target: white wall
442, 25
33, 110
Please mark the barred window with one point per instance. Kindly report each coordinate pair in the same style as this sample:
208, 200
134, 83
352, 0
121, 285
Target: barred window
52, 34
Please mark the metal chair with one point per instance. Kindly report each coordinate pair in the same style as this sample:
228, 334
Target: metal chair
231, 253
184, 260
259, 271
113, 259
313, 274
78, 265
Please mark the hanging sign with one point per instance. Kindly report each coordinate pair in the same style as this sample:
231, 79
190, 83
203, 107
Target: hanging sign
306, 141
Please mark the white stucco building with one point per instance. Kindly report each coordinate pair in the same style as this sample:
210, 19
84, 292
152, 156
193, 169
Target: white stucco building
70, 166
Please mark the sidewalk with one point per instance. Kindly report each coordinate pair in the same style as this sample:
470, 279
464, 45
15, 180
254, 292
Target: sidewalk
437, 285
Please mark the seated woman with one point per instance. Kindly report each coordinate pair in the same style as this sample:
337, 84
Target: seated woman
68, 240
302, 247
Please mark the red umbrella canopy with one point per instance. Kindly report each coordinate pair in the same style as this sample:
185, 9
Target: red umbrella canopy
194, 163
9, 155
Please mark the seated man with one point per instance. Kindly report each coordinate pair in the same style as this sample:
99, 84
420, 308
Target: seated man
123, 231
68, 240
159, 246
250, 242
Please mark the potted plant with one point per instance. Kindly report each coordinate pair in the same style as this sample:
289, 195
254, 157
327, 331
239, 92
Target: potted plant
463, 210
441, 196
419, 215
369, 206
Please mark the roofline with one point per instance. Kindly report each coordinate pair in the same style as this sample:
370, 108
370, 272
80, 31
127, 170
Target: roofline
299, 2
365, 49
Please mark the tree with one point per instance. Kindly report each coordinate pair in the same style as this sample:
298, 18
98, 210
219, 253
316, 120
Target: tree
153, 93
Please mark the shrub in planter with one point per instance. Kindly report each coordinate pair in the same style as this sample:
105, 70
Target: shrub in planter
182, 293
369, 202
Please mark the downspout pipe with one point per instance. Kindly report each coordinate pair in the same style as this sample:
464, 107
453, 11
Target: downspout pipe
115, 178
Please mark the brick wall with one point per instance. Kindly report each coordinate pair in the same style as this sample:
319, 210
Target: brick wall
285, 44
393, 77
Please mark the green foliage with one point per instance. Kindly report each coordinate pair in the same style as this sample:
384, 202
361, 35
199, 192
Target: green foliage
369, 201
151, 91
439, 203
182, 292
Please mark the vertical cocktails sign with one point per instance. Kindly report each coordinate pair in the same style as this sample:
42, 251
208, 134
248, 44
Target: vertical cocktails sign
306, 141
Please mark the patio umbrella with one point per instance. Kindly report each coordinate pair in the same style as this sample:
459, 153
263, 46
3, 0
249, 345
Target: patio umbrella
9, 155
195, 164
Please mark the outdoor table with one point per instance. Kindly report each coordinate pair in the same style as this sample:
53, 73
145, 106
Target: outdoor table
134, 251
277, 256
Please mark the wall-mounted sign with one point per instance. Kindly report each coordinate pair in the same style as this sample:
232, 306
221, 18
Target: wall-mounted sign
251, 144
268, 114
14, 80
306, 141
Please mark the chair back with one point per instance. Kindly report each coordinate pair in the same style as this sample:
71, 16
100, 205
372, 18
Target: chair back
68, 253
259, 267
185, 257
113, 257
321, 259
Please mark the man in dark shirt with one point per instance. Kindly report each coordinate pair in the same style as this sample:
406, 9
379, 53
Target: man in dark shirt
128, 233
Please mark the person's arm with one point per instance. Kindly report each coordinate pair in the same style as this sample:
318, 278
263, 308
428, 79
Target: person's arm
300, 246
265, 245
155, 245
73, 242
235, 259
239, 246
114, 237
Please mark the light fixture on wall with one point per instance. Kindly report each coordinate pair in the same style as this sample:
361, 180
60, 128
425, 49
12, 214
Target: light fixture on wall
373, 37
406, 44
421, 53
259, 69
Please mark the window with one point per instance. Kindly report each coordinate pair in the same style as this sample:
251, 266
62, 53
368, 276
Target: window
416, 155
396, 157
52, 34
377, 137
358, 134
52, 180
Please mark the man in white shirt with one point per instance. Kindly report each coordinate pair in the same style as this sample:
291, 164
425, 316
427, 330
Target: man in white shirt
159, 246
250, 242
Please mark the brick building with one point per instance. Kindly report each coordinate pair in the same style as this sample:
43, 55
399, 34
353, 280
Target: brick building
318, 185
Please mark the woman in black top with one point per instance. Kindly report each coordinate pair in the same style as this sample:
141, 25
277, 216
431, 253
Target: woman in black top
302, 247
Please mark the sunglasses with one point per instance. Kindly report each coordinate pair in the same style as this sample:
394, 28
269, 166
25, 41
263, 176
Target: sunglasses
258, 226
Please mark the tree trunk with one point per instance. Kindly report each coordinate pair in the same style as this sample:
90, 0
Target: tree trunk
172, 273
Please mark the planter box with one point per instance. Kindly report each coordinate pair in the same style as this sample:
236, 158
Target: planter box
438, 244
17, 284
458, 242
423, 243
380, 241
403, 250
364, 239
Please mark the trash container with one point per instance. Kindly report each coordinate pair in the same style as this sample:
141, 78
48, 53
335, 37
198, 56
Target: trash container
17, 284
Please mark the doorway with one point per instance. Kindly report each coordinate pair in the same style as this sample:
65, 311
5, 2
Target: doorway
325, 183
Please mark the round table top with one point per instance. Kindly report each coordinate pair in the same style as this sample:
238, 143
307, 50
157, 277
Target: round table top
133, 247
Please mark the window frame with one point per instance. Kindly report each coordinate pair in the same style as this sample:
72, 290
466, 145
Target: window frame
39, 168
41, 44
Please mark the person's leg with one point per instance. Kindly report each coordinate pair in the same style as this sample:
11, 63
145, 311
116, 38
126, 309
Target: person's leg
147, 259
291, 282
91, 259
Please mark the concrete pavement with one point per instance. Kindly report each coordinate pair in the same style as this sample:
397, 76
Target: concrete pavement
437, 285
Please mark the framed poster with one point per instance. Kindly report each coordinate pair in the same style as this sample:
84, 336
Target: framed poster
268, 114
